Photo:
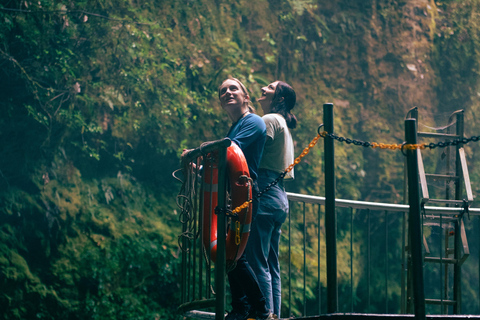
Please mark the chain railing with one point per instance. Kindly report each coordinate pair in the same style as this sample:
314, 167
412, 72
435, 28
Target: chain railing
366, 144
401, 146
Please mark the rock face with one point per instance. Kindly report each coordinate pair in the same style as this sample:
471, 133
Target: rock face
99, 98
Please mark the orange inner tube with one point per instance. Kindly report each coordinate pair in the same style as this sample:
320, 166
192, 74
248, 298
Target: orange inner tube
240, 191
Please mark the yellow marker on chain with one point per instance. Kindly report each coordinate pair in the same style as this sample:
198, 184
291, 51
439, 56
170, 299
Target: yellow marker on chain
237, 232
243, 206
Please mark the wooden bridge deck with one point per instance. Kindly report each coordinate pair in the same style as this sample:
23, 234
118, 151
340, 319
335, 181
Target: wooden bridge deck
348, 316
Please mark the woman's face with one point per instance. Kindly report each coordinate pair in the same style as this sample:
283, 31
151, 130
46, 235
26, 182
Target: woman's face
267, 96
231, 94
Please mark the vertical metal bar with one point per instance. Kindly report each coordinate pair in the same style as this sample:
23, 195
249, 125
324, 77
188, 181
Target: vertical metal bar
386, 261
190, 293
199, 200
368, 259
457, 269
319, 284
414, 115
403, 305
405, 296
197, 278
208, 249
448, 153
290, 263
443, 288
330, 218
184, 264
188, 279
220, 268
189, 274
415, 232
304, 262
351, 260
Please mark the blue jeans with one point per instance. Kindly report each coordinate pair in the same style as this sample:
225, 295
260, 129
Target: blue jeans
263, 243
246, 293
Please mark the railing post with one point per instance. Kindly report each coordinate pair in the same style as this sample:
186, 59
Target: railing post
220, 266
405, 303
457, 268
330, 215
414, 221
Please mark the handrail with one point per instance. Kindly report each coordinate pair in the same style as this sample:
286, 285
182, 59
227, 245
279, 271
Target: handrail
355, 204
399, 210
206, 148
188, 308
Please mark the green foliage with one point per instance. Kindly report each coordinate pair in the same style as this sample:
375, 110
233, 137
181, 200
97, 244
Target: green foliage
457, 34
95, 249
99, 98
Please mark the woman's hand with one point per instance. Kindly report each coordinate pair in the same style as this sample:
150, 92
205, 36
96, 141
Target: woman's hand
185, 152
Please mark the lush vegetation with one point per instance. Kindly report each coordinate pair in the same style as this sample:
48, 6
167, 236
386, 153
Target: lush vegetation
99, 98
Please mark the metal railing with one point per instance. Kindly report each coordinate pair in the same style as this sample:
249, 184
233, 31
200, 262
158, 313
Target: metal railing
351, 256
203, 282
372, 257
371, 270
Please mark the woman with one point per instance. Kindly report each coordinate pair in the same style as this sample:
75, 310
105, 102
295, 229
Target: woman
248, 132
277, 100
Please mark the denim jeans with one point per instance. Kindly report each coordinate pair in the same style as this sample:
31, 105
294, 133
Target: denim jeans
246, 293
263, 243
